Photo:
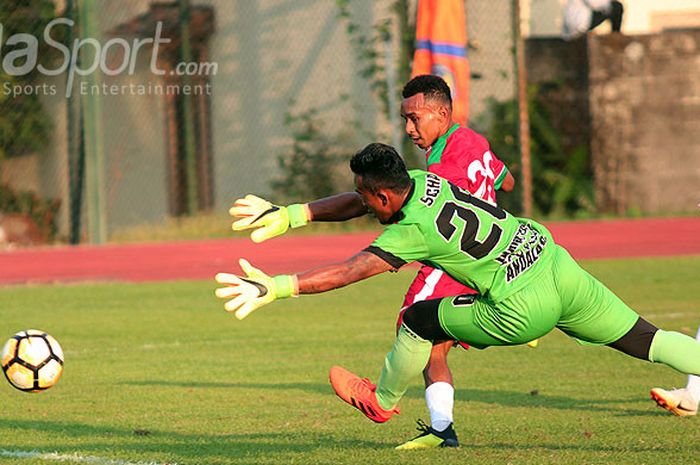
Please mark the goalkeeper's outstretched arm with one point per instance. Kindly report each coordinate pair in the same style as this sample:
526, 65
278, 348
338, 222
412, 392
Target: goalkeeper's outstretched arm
268, 220
360, 266
246, 293
340, 207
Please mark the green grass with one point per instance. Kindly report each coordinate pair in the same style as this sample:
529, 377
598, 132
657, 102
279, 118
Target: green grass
218, 226
159, 372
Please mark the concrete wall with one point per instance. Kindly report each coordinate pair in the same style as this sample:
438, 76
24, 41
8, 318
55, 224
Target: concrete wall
274, 58
135, 152
645, 107
635, 100
490, 37
45, 172
560, 69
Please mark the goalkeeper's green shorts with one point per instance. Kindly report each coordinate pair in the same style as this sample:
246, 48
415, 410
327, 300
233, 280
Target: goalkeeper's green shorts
566, 297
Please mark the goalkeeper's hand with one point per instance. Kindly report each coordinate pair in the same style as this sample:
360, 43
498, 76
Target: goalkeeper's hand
268, 220
250, 292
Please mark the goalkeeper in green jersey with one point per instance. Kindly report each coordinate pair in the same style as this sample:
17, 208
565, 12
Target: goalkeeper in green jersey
455, 153
527, 284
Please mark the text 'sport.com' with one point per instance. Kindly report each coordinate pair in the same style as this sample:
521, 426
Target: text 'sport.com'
88, 55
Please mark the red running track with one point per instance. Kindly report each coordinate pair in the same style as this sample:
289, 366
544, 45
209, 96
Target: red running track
203, 259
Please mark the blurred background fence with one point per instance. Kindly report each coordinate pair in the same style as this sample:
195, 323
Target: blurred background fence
189, 104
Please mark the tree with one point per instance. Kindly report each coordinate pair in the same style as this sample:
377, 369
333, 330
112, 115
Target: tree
24, 125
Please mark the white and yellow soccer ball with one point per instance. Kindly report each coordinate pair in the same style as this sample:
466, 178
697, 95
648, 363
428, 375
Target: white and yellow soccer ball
32, 361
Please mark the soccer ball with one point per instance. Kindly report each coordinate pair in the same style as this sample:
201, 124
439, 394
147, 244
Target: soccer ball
32, 361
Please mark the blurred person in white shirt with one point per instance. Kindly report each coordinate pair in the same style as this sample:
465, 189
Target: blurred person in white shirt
581, 16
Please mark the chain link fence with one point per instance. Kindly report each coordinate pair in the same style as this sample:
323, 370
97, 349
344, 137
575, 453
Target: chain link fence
494, 105
146, 110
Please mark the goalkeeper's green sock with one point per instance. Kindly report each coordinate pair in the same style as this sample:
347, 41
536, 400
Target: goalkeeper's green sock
677, 351
407, 359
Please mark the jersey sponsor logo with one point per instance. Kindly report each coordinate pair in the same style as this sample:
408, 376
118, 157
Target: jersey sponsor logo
432, 189
464, 300
522, 252
480, 171
410, 332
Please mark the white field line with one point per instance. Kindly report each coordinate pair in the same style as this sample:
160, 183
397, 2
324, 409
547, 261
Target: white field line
147, 346
75, 458
670, 316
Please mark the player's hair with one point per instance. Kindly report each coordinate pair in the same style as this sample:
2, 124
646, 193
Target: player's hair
432, 86
381, 167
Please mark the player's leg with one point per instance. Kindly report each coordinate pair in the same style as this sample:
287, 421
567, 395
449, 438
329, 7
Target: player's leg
677, 350
439, 386
616, 16
439, 390
594, 314
597, 18
682, 402
411, 351
671, 348
439, 396
431, 283
360, 392
527, 315
406, 360
693, 386
469, 318
694, 380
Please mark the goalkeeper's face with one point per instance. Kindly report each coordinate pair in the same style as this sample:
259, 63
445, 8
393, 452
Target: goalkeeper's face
380, 203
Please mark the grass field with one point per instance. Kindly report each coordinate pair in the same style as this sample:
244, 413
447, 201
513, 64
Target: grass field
159, 373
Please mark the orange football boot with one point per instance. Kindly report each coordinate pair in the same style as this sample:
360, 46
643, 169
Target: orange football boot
359, 392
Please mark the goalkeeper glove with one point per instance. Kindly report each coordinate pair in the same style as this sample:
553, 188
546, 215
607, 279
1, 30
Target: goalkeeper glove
268, 219
254, 290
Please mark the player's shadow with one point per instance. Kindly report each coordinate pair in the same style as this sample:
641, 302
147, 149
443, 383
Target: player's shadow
502, 398
536, 399
107, 444
583, 447
314, 388
102, 441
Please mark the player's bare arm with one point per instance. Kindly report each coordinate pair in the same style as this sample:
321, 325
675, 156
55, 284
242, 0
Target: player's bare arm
253, 289
508, 183
358, 267
340, 207
268, 220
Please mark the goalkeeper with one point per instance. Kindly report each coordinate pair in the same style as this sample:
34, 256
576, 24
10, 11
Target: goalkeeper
527, 284
456, 153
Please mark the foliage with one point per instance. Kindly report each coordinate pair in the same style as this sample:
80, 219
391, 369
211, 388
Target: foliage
24, 125
44, 212
562, 179
369, 48
316, 165
208, 225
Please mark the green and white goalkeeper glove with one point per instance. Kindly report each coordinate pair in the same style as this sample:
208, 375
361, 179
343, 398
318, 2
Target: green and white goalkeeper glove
254, 290
268, 220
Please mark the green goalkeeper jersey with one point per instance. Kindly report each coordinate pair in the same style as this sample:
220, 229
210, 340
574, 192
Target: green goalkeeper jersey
474, 241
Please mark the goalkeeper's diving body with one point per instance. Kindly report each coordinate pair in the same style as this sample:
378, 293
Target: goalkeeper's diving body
527, 284
453, 152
